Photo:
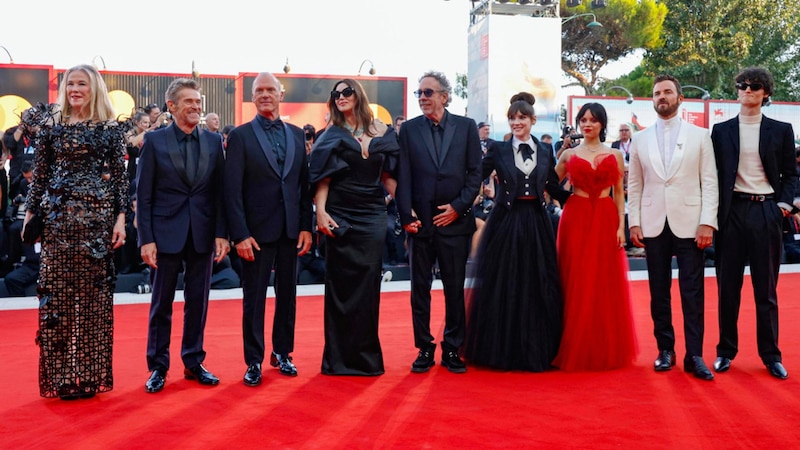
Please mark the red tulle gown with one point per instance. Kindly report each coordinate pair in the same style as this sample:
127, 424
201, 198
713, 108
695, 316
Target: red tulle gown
598, 323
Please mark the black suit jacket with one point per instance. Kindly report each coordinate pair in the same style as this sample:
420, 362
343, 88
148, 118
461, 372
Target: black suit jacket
168, 205
776, 147
262, 200
500, 157
424, 182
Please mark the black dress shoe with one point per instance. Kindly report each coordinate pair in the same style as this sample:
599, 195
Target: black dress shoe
698, 368
664, 361
777, 370
284, 363
722, 364
253, 375
424, 361
156, 381
453, 363
201, 374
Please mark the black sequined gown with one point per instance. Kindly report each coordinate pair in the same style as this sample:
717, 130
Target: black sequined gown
80, 186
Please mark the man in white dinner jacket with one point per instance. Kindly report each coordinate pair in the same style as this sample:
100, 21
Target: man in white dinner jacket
673, 200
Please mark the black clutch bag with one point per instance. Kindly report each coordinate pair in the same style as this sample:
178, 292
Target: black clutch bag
342, 229
33, 229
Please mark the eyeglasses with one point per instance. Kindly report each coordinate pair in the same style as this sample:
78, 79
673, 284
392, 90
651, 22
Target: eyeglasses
624, 130
347, 92
753, 86
428, 93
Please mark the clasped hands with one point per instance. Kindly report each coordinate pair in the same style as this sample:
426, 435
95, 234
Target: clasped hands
443, 219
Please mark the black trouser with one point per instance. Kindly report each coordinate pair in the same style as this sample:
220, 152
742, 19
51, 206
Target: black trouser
751, 233
659, 251
451, 252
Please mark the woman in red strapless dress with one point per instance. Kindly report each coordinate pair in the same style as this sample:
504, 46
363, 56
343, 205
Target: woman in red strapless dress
598, 324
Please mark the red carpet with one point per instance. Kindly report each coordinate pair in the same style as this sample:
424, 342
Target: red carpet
631, 408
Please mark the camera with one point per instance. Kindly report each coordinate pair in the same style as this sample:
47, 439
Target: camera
569, 131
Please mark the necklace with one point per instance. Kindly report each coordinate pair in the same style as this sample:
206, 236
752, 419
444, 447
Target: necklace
356, 133
595, 149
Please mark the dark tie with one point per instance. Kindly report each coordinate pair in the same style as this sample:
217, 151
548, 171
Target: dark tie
526, 151
272, 124
191, 157
275, 134
437, 140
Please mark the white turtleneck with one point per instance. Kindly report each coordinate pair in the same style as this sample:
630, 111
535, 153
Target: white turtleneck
750, 175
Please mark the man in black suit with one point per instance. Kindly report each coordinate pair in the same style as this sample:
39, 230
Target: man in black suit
181, 227
438, 179
269, 212
757, 183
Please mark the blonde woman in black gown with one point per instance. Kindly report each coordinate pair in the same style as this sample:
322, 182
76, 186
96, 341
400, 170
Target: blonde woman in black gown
80, 188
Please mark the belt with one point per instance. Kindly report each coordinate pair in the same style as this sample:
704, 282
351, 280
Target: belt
754, 197
528, 197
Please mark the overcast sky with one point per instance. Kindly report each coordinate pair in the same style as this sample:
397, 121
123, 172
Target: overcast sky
401, 37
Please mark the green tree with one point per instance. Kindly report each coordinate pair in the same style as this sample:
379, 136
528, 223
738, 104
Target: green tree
627, 26
637, 81
460, 88
706, 43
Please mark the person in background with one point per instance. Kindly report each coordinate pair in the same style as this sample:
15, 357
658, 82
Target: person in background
19, 281
593, 268
547, 140
398, 122
757, 185
181, 225
352, 163
134, 141
483, 133
226, 131
309, 135
80, 189
158, 118
623, 144
438, 179
212, 122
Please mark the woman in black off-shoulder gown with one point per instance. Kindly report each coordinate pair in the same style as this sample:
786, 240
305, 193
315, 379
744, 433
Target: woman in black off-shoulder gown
351, 163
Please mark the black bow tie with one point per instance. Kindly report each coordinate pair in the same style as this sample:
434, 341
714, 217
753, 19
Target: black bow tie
526, 151
270, 124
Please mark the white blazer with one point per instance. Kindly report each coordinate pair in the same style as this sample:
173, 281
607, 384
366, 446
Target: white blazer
686, 193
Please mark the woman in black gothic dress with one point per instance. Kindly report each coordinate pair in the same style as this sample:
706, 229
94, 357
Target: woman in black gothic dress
80, 188
514, 304
351, 163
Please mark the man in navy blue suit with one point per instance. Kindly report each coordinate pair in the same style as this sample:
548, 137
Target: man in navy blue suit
269, 212
438, 179
181, 227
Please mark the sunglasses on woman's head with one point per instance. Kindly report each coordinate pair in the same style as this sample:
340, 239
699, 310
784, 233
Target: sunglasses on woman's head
347, 92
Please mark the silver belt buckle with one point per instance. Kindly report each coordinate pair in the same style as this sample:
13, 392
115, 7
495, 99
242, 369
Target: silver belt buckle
758, 198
